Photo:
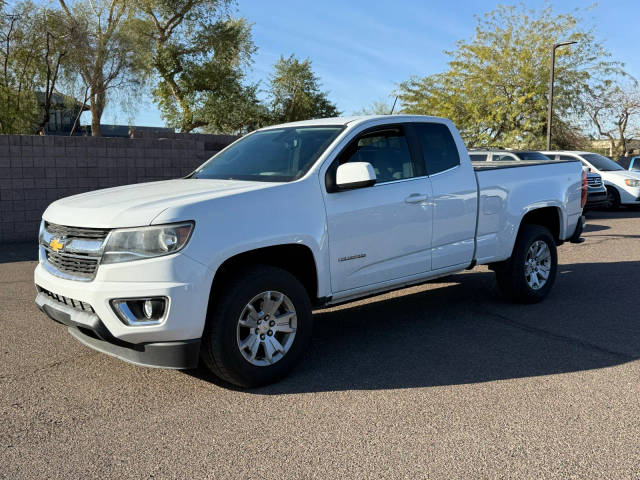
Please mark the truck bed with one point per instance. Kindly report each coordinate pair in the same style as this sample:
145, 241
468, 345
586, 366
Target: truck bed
505, 194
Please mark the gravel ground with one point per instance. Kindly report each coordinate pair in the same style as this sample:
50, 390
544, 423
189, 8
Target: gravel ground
445, 380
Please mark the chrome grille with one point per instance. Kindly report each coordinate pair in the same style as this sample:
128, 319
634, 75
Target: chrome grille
594, 181
78, 265
72, 252
76, 232
77, 304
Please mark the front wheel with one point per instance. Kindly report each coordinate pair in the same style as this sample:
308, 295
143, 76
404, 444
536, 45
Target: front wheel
258, 327
613, 199
528, 276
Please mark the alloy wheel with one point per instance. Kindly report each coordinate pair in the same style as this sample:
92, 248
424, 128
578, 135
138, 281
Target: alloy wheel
266, 328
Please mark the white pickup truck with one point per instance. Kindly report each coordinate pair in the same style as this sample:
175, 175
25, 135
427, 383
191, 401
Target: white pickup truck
227, 264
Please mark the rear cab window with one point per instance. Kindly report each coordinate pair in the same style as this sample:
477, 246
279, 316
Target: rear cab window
437, 146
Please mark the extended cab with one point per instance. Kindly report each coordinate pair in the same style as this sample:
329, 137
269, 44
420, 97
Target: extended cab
226, 264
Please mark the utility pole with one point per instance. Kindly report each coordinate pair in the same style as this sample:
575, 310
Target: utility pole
551, 77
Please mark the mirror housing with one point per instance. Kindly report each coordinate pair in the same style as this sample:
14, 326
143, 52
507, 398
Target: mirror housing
355, 175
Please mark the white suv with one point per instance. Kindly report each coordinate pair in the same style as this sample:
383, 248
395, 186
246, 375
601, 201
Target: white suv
623, 186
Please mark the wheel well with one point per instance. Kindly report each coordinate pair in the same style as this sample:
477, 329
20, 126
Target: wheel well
547, 217
613, 189
296, 259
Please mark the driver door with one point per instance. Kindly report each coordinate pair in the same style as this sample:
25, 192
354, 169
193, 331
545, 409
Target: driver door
383, 232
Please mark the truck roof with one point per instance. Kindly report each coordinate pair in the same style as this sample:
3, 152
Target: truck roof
353, 120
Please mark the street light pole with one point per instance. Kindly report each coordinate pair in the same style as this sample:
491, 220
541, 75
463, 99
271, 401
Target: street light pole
550, 109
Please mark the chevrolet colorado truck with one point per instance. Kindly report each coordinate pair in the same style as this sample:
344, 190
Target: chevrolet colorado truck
226, 264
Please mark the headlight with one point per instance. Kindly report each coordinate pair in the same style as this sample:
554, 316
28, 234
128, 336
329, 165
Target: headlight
632, 182
127, 244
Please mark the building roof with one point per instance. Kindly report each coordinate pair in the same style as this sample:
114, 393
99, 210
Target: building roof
60, 101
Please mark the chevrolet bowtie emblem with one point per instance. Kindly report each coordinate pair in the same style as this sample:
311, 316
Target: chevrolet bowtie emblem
56, 244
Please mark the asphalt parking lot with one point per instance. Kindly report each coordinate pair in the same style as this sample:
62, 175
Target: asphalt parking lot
444, 380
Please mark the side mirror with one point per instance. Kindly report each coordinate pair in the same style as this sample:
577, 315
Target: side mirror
355, 175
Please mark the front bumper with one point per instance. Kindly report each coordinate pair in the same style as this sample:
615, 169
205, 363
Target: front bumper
184, 281
596, 199
87, 328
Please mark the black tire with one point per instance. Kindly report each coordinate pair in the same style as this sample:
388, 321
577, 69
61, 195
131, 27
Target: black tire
220, 351
511, 276
613, 199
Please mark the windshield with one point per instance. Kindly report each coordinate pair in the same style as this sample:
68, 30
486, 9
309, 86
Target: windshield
531, 156
276, 155
601, 163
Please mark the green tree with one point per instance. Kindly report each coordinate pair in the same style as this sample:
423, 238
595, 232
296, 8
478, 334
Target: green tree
54, 53
496, 87
200, 54
295, 92
107, 51
20, 42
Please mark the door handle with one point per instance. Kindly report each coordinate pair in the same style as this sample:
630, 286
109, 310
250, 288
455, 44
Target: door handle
416, 198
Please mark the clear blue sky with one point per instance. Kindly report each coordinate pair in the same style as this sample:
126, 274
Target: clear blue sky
362, 49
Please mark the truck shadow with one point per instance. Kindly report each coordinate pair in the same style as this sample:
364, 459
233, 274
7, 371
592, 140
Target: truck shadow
623, 212
462, 332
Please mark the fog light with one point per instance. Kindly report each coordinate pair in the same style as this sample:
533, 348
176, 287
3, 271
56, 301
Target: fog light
148, 308
140, 311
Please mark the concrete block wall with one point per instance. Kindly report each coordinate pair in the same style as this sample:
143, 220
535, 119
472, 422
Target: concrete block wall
35, 170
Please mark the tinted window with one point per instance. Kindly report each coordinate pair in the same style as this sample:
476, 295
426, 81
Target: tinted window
503, 158
601, 163
478, 157
278, 155
438, 147
566, 157
635, 164
386, 150
531, 156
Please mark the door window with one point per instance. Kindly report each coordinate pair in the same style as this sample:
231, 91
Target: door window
386, 150
478, 157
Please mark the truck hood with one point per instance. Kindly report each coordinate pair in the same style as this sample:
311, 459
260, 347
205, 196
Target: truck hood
620, 174
139, 204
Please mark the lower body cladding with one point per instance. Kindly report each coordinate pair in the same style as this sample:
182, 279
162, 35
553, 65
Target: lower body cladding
103, 314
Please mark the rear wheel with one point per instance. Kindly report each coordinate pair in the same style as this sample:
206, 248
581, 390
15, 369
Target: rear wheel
258, 327
613, 199
529, 274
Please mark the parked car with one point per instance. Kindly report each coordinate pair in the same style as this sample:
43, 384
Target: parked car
623, 186
630, 163
227, 263
597, 192
494, 155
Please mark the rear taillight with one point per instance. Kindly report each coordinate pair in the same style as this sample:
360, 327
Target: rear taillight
585, 186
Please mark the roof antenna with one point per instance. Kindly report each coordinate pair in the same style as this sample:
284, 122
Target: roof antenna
394, 105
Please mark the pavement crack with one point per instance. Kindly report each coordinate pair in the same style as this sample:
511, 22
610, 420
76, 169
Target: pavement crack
555, 336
